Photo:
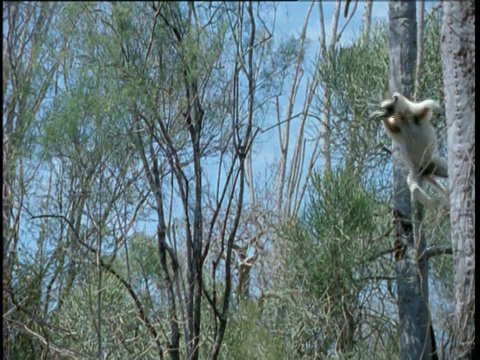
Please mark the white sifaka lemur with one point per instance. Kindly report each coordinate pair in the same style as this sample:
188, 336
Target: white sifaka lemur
408, 123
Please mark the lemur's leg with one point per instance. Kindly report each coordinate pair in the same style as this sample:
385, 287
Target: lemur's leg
438, 185
437, 166
419, 194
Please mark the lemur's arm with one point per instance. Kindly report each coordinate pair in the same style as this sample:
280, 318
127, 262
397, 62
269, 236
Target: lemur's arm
420, 112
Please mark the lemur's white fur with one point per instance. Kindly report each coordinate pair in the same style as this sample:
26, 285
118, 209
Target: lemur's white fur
408, 124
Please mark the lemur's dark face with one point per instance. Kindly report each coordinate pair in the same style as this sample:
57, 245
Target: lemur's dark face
388, 106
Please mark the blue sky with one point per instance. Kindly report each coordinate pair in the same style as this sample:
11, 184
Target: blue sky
291, 16
289, 21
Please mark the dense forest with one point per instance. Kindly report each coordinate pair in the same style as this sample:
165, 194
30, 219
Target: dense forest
183, 180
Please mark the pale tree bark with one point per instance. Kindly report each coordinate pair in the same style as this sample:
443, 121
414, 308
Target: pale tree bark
367, 19
326, 160
411, 268
292, 178
284, 134
458, 56
335, 36
420, 47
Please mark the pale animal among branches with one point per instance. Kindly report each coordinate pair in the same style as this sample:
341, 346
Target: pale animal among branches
408, 123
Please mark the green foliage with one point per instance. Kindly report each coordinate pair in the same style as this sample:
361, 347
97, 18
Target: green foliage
329, 245
356, 78
247, 337
144, 255
339, 198
329, 257
357, 74
119, 312
79, 312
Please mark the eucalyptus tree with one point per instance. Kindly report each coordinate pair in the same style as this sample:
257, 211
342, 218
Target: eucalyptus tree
458, 59
417, 339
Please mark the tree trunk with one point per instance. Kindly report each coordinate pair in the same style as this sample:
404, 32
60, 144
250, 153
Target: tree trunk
367, 20
411, 269
458, 56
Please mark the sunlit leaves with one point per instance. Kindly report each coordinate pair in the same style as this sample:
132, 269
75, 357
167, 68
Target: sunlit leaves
358, 74
327, 256
335, 231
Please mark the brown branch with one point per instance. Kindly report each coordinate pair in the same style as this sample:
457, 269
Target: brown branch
433, 251
153, 29
339, 35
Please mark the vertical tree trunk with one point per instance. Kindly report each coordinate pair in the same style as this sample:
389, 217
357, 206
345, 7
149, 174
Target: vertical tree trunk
420, 48
326, 160
367, 20
412, 271
458, 55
